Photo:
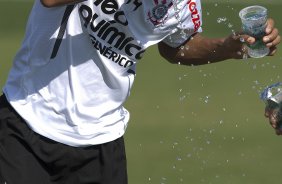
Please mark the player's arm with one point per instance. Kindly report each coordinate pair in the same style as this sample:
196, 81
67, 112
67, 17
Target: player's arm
53, 3
197, 51
202, 50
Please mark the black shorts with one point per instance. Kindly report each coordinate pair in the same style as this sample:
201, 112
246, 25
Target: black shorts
29, 158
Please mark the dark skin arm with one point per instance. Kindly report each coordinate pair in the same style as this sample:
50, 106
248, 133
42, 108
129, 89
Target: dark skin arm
54, 3
204, 50
200, 51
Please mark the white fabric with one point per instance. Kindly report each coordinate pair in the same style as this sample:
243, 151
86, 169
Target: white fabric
76, 97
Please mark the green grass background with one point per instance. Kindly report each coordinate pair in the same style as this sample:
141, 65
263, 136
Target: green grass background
190, 125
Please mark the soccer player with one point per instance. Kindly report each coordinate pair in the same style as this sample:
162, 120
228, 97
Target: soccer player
62, 118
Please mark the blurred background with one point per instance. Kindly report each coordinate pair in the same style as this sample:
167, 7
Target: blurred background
190, 125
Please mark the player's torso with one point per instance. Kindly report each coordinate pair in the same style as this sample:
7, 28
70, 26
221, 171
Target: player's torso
128, 26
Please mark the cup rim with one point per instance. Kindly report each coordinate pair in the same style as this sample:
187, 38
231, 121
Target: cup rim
241, 13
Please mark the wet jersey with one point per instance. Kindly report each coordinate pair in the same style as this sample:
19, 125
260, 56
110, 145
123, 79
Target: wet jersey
77, 62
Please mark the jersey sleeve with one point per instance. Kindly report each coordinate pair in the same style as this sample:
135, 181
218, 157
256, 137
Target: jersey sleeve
189, 22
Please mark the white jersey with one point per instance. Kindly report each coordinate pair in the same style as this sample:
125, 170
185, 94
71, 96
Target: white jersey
76, 66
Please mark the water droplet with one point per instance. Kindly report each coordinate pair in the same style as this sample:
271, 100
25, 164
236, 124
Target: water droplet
233, 32
182, 98
230, 25
221, 19
178, 158
207, 99
256, 82
211, 131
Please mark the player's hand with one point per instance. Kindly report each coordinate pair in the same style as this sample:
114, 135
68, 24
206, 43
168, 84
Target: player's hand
272, 37
272, 115
236, 43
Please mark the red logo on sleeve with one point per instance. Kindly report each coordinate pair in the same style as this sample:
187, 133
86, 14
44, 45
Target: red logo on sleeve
195, 14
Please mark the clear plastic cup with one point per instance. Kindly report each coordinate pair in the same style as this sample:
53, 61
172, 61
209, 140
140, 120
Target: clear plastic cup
254, 23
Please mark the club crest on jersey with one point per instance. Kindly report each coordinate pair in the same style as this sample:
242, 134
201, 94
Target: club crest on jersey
159, 13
